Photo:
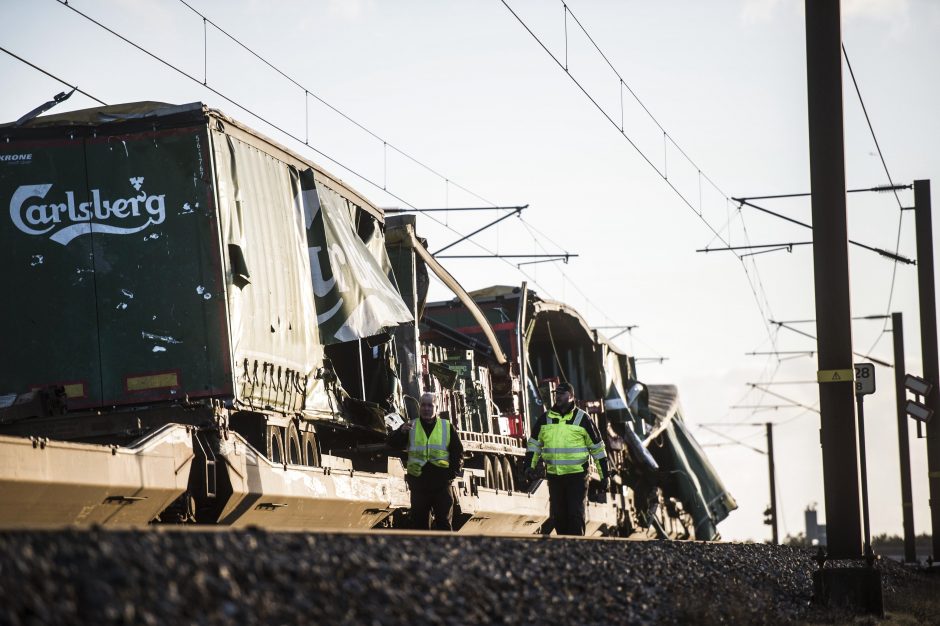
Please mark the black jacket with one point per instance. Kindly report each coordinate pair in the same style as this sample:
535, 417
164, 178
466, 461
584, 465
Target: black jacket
432, 475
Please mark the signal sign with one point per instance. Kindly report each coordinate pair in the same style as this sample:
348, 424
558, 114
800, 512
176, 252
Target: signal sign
864, 379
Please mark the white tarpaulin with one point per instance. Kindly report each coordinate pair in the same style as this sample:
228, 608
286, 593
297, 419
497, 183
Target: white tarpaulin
353, 295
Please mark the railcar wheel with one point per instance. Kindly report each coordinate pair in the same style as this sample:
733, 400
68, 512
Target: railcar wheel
500, 474
509, 480
292, 446
275, 444
489, 473
311, 452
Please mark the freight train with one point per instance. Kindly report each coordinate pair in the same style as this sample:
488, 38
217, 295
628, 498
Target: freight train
202, 326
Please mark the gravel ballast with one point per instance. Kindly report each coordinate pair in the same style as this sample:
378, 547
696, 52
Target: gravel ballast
206, 577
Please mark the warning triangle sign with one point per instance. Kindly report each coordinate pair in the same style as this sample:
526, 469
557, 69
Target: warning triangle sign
835, 376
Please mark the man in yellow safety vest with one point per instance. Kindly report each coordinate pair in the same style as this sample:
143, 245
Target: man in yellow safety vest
434, 460
567, 439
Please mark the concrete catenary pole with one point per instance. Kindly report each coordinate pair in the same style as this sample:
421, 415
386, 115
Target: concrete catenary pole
904, 448
928, 348
831, 273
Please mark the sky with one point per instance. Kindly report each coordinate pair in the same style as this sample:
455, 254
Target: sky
455, 104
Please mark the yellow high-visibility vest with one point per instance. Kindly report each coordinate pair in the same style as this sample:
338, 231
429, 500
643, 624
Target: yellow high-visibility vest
423, 448
565, 445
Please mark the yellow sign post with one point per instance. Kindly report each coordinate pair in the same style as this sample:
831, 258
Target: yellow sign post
835, 376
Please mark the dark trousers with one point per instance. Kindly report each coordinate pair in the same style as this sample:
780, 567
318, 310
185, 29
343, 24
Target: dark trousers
425, 499
567, 499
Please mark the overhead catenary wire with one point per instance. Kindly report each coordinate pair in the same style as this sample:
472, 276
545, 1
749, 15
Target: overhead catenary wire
789, 420
731, 439
640, 102
884, 164
771, 364
786, 382
308, 91
551, 338
871, 128
739, 441
762, 407
53, 76
763, 292
614, 123
588, 301
814, 338
761, 301
729, 218
662, 173
782, 397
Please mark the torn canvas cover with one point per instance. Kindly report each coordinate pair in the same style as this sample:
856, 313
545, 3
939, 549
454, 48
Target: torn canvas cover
354, 298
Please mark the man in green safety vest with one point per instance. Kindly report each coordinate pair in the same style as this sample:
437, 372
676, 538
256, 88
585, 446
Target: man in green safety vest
434, 460
567, 439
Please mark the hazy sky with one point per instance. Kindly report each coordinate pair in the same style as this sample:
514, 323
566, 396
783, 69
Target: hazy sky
465, 90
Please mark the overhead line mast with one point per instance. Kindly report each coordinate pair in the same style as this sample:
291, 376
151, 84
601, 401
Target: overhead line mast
831, 273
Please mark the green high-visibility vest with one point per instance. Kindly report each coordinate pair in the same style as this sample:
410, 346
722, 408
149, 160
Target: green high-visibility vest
565, 444
423, 448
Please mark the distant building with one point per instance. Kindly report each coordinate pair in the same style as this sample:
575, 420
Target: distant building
815, 532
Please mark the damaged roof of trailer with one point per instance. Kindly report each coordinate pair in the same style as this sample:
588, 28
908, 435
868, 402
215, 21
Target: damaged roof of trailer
98, 116
663, 401
135, 115
703, 493
542, 305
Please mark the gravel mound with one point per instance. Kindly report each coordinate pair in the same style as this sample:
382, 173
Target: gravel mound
158, 576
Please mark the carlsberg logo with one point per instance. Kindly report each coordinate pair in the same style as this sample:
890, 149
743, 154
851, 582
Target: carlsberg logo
67, 219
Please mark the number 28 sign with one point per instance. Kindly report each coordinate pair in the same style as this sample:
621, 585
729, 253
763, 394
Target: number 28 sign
864, 379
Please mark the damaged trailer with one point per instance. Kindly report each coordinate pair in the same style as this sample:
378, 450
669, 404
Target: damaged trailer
663, 484
172, 266
198, 302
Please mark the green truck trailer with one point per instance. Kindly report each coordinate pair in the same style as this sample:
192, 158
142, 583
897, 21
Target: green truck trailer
172, 266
